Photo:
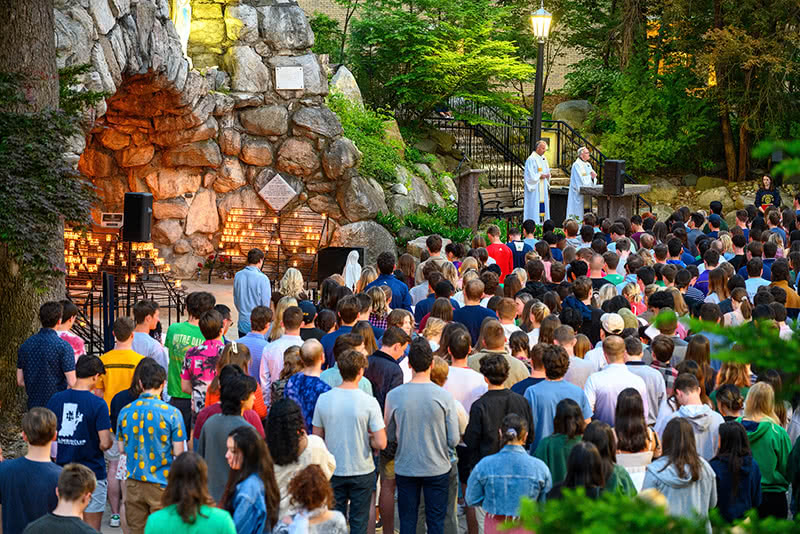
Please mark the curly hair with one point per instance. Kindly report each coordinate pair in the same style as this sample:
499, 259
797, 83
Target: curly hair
310, 488
285, 426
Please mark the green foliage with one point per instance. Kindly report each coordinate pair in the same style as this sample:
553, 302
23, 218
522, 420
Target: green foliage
327, 36
390, 221
441, 221
365, 128
591, 80
73, 102
790, 165
416, 57
501, 224
657, 121
38, 190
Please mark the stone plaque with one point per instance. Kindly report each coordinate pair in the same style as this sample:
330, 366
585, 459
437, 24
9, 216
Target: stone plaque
277, 193
289, 78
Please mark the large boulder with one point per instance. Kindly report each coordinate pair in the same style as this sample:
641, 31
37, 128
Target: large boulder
341, 155
316, 121
186, 265
285, 27
420, 194
246, 197
709, 182
689, 180
721, 194
241, 23
662, 212
171, 209
368, 234
266, 120
171, 183
399, 205
167, 231
391, 133
416, 246
201, 154
359, 200
344, 82
662, 192
573, 112
230, 177
297, 156
248, 72
256, 151
203, 216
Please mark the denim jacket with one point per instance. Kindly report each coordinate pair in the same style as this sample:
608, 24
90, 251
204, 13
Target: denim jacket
500, 480
249, 506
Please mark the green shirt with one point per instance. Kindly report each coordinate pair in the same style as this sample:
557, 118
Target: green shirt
615, 279
771, 447
180, 338
620, 481
554, 451
209, 520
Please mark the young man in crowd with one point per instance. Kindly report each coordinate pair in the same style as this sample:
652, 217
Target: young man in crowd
251, 288
306, 386
256, 339
494, 343
332, 376
603, 387
28, 483
507, 314
45, 362
653, 379
308, 330
501, 254
180, 338
386, 263
272, 357
518, 248
152, 425
200, 362
351, 423
472, 313
69, 313
421, 417
661, 348
75, 490
84, 431
579, 369
434, 245
348, 309
145, 313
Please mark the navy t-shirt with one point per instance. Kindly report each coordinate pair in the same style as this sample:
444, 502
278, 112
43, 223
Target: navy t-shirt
81, 416
44, 358
523, 385
27, 492
120, 400
472, 317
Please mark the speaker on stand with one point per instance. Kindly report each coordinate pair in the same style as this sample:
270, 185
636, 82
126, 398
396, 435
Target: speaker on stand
138, 217
614, 177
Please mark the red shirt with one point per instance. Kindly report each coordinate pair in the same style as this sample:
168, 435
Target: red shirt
504, 258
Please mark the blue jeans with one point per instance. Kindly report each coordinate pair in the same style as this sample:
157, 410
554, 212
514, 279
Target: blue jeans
357, 490
435, 490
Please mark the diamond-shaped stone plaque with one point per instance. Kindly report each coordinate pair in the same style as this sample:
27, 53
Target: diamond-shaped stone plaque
277, 193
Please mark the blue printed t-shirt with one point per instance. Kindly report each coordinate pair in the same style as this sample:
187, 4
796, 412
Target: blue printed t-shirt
148, 427
305, 390
27, 491
544, 397
44, 358
81, 416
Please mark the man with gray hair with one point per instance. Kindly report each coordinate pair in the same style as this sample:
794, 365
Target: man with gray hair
582, 175
537, 185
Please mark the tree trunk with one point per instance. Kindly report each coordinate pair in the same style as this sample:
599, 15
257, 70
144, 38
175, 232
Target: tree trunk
727, 142
744, 152
27, 47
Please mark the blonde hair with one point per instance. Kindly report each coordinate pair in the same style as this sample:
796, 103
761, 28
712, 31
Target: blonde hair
469, 276
646, 257
368, 275
468, 263
277, 323
539, 311
379, 305
778, 240
649, 290
582, 345
679, 304
607, 292
450, 273
338, 278
522, 275
727, 243
439, 371
433, 328
632, 293
760, 403
291, 285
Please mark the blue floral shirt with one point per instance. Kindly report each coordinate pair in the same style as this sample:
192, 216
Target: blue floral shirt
305, 390
147, 428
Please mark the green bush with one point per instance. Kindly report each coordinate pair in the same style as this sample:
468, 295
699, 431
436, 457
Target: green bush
327, 36
658, 121
589, 79
365, 128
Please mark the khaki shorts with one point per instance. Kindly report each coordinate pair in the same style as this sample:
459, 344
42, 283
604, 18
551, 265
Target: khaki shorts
386, 468
143, 498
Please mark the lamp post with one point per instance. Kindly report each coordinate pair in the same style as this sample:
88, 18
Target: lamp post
540, 21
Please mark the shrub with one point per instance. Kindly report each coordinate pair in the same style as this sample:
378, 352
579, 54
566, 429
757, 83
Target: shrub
327, 36
589, 79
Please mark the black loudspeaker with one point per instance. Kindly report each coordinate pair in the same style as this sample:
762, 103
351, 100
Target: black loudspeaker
332, 260
613, 177
138, 216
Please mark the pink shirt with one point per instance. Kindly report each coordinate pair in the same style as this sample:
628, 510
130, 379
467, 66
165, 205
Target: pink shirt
200, 368
74, 341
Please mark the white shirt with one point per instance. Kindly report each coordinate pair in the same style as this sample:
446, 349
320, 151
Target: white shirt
465, 385
272, 362
603, 387
418, 293
510, 329
533, 337
596, 356
406, 368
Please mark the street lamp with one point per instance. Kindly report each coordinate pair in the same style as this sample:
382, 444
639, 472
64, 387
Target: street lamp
540, 21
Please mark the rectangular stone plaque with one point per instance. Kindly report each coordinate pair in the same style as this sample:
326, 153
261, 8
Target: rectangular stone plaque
277, 193
289, 78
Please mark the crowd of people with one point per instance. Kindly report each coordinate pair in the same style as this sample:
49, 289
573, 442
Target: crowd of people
479, 374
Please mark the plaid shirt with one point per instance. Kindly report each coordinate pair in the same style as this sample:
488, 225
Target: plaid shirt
379, 322
668, 372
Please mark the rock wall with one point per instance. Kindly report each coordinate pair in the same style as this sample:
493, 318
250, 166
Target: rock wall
205, 139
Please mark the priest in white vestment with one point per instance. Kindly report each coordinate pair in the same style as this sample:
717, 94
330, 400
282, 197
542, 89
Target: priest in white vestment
537, 186
582, 175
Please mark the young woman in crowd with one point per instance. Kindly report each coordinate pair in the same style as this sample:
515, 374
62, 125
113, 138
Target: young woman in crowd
552, 301
699, 350
511, 286
584, 469
742, 309
188, 507
277, 323
239, 355
582, 345
730, 402
767, 194
292, 364
783, 409
293, 449
433, 331
771, 447
492, 486
717, 286
548, 328
738, 475
637, 444
380, 307
685, 479
518, 345
634, 296
368, 275
312, 495
251, 493
568, 426
406, 269
736, 374
364, 329
292, 284
616, 477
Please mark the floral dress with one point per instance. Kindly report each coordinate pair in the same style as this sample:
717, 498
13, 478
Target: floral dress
305, 390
